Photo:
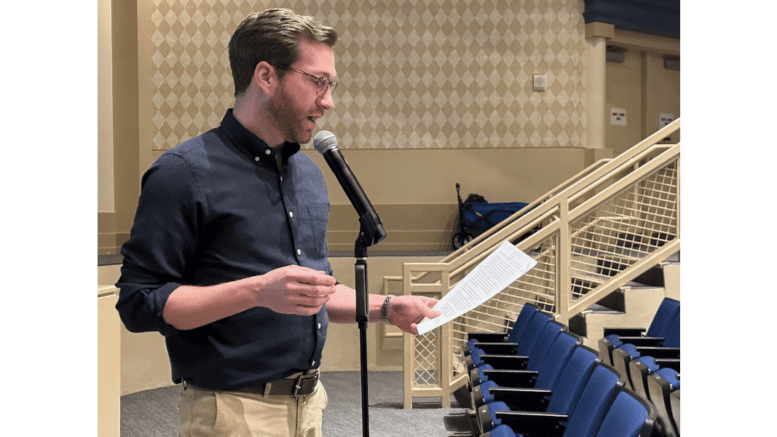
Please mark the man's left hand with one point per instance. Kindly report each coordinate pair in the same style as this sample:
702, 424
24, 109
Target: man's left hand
405, 312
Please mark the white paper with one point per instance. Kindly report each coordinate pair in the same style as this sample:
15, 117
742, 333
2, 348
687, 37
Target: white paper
500, 269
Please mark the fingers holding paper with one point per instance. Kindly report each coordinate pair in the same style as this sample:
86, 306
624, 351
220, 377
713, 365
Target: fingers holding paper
405, 312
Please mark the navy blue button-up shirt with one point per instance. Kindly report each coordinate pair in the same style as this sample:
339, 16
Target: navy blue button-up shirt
217, 209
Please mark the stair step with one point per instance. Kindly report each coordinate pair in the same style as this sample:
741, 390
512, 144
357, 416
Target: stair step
653, 276
636, 306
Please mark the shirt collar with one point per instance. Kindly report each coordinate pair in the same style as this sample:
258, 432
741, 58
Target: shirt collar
250, 143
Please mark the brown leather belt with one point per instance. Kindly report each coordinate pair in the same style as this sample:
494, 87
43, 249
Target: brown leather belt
302, 385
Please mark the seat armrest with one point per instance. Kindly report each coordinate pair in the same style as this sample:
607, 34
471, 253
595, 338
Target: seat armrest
643, 341
512, 378
522, 399
486, 336
629, 332
659, 352
514, 362
672, 363
499, 348
534, 423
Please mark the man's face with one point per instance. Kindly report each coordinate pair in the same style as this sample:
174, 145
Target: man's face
297, 103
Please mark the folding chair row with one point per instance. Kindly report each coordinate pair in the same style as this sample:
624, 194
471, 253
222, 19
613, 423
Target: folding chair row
628, 416
546, 400
664, 331
533, 378
651, 363
605, 407
638, 357
521, 340
520, 359
513, 336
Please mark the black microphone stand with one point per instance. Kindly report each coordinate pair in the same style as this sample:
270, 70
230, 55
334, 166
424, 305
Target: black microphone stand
371, 232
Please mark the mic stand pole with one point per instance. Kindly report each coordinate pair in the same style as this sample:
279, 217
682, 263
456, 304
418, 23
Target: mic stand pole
370, 233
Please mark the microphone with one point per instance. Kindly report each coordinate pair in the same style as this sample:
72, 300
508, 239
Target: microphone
372, 226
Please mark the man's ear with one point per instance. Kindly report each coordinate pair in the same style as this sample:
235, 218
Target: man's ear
265, 77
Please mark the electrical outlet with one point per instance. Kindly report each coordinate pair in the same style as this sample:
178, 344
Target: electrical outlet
540, 82
617, 117
664, 119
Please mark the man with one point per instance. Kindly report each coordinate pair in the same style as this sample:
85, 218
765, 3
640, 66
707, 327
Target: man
227, 257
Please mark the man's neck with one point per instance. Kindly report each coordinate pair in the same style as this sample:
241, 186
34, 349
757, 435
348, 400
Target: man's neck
253, 118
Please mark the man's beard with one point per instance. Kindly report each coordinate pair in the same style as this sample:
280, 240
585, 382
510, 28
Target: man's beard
287, 119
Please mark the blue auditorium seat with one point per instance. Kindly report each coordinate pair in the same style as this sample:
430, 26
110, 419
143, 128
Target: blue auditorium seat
544, 378
600, 390
643, 366
527, 312
660, 385
630, 415
667, 350
524, 346
563, 396
500, 431
662, 321
535, 358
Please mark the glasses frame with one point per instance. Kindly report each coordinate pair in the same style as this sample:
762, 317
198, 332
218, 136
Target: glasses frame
322, 83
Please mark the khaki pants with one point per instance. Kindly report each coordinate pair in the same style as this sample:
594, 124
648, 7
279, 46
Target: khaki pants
205, 413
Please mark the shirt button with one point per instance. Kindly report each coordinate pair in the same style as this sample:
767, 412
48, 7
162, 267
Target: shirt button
267, 152
291, 214
299, 252
256, 158
319, 326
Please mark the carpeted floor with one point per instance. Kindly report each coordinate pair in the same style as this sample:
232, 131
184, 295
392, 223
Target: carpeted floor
152, 413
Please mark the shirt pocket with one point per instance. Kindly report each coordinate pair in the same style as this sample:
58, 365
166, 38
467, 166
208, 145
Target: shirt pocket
317, 220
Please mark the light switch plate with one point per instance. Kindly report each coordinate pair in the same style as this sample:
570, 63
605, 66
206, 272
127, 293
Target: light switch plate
617, 117
540, 82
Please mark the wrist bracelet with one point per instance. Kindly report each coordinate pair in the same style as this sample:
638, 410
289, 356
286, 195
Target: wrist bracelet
384, 309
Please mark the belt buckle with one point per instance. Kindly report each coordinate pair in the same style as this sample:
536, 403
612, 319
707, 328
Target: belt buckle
298, 383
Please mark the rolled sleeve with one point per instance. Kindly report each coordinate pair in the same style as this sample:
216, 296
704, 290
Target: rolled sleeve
162, 241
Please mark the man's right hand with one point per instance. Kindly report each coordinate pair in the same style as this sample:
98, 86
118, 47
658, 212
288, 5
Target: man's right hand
294, 290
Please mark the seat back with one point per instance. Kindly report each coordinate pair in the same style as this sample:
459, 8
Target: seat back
543, 344
672, 335
556, 360
526, 314
600, 390
572, 381
629, 416
662, 319
532, 331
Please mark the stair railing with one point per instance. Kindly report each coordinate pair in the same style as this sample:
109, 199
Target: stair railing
590, 236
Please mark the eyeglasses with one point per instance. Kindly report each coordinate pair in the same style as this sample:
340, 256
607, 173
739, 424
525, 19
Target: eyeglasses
321, 82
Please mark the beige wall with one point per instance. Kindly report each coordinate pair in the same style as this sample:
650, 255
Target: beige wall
105, 183
439, 74
643, 87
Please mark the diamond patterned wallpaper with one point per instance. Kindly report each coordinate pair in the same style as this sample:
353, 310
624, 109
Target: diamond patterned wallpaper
414, 73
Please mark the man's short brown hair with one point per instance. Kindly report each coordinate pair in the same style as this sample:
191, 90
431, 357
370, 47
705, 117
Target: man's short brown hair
272, 36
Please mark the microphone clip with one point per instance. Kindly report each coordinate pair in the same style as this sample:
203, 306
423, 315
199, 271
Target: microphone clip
371, 232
